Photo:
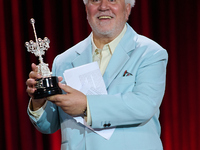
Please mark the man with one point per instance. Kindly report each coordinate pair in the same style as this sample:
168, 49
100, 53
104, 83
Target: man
134, 71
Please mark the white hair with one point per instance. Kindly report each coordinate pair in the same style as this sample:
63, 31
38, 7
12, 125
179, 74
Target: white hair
132, 2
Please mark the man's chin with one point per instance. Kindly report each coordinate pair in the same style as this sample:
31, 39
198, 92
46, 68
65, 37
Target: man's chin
106, 33
105, 30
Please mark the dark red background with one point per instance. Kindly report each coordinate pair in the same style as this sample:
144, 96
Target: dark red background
173, 24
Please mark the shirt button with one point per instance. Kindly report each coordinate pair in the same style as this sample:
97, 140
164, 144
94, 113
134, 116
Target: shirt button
97, 51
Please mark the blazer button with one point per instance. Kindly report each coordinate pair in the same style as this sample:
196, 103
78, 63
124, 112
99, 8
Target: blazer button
106, 125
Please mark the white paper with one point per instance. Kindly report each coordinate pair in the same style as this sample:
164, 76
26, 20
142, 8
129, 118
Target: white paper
88, 79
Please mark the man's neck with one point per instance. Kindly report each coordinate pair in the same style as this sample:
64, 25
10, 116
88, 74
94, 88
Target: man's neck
101, 41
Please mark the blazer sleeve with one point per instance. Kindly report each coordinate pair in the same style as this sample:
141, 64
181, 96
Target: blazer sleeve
49, 121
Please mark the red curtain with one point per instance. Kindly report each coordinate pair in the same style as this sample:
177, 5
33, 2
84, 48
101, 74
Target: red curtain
173, 24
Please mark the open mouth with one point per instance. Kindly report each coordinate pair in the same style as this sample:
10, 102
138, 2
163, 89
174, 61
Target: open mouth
105, 17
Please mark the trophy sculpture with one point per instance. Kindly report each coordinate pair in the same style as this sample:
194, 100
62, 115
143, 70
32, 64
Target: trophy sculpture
47, 85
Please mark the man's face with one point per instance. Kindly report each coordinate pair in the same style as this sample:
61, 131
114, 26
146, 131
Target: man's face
107, 17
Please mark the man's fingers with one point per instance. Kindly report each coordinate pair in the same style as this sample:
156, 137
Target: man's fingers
34, 75
60, 78
30, 82
57, 99
34, 67
65, 88
30, 90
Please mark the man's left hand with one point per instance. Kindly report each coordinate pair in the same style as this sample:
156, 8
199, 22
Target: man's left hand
73, 103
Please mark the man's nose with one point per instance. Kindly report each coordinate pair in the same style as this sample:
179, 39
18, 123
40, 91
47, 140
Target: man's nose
104, 5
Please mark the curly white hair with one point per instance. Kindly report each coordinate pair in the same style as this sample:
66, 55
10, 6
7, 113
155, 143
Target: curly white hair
132, 2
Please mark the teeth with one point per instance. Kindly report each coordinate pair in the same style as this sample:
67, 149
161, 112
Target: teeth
105, 17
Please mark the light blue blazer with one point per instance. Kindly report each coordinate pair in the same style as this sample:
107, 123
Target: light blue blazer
132, 104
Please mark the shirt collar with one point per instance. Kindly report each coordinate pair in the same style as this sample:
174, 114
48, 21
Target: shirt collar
113, 44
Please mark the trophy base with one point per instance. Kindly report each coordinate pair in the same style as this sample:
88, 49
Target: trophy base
47, 87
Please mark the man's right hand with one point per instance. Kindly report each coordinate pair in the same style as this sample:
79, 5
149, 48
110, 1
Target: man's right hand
33, 75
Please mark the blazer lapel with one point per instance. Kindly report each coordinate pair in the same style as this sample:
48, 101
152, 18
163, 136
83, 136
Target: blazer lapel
118, 60
120, 55
84, 54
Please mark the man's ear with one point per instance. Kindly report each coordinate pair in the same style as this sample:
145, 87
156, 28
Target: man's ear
128, 10
86, 8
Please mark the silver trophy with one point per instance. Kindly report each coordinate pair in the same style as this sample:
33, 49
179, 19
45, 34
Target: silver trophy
47, 85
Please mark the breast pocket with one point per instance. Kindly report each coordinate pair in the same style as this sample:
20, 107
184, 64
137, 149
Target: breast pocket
122, 85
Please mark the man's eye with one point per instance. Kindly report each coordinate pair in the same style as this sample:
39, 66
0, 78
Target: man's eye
112, 0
